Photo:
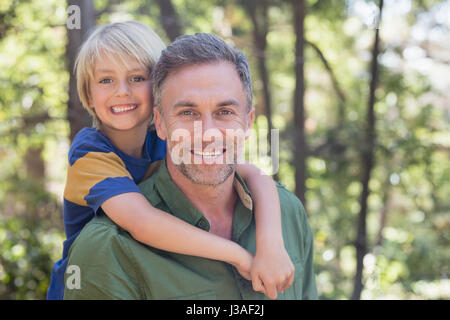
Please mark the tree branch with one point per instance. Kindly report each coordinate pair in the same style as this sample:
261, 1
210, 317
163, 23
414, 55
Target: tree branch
336, 86
107, 9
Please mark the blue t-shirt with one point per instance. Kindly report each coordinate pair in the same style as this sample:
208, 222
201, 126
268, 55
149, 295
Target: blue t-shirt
97, 171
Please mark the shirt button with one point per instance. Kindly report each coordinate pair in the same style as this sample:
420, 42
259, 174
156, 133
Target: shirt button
203, 224
244, 283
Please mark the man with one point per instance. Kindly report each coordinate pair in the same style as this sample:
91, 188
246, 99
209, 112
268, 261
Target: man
198, 80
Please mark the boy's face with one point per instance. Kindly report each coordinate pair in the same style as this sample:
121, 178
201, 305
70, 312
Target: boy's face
121, 95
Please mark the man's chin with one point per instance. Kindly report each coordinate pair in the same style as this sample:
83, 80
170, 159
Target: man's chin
207, 174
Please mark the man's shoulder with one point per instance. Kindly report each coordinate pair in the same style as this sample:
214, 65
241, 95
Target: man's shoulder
103, 254
100, 237
293, 213
149, 190
290, 203
99, 230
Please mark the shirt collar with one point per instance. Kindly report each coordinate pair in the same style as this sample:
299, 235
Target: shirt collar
180, 205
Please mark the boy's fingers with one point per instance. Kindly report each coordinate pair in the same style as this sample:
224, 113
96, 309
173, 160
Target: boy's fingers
270, 288
282, 286
271, 292
289, 281
257, 284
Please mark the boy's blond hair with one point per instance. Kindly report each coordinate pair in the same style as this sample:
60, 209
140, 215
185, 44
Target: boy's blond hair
122, 40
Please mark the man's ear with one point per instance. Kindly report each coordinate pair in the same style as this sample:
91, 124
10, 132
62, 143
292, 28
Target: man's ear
160, 129
250, 116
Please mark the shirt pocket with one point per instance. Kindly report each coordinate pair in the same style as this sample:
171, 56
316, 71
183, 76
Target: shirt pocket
294, 292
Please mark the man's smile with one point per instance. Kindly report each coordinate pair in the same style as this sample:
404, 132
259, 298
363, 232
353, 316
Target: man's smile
208, 153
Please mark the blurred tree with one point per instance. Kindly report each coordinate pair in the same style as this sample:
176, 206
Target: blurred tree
367, 162
257, 11
169, 19
407, 238
32, 95
300, 145
76, 115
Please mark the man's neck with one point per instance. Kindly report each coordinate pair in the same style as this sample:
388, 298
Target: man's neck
215, 202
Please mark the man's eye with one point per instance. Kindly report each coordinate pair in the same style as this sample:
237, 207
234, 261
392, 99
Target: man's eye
225, 112
106, 80
186, 113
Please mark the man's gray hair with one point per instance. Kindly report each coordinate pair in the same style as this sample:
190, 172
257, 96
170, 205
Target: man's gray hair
199, 48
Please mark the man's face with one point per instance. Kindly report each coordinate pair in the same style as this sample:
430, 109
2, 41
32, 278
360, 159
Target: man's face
204, 120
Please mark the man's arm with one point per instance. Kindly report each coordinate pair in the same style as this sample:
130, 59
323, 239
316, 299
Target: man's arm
103, 268
272, 269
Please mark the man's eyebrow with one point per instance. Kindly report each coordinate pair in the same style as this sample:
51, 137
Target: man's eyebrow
230, 102
224, 103
184, 103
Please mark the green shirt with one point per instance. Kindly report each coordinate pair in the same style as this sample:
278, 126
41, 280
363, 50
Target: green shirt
112, 265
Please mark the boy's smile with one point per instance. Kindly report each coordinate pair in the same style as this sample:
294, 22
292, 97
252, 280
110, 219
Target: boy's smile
119, 109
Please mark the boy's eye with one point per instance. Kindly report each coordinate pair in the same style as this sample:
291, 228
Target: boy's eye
137, 79
106, 80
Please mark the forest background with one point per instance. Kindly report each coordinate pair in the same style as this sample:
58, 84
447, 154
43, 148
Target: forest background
359, 91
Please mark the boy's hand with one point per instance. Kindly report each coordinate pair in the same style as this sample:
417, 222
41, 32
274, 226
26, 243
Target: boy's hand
272, 271
244, 264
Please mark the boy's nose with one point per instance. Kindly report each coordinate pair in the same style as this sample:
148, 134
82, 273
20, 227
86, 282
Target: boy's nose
123, 89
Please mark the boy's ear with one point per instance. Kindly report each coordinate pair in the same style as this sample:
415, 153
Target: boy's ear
160, 130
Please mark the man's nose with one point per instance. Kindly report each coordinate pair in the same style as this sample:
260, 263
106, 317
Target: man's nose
205, 129
208, 123
212, 133
123, 89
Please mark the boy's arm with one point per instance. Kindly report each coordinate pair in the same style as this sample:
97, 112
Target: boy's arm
272, 269
97, 177
158, 229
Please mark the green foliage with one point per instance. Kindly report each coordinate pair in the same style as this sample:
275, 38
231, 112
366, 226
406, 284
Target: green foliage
26, 257
31, 238
408, 253
33, 92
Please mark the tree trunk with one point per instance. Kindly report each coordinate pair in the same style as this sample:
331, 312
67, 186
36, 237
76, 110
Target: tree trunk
169, 19
300, 146
384, 214
35, 164
367, 163
260, 30
77, 116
